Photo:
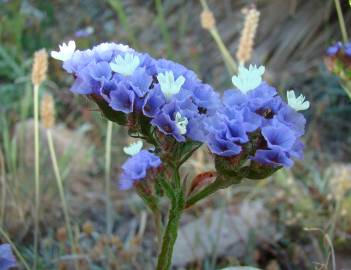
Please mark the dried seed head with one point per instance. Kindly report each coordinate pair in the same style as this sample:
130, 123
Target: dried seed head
248, 34
61, 234
40, 67
207, 20
47, 109
88, 228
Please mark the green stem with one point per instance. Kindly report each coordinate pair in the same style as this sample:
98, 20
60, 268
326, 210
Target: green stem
36, 173
219, 183
170, 234
341, 20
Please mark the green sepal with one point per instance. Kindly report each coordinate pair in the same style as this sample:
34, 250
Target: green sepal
257, 171
230, 166
112, 115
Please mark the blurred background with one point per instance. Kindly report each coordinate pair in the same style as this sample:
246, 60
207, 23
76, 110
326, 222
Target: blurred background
297, 219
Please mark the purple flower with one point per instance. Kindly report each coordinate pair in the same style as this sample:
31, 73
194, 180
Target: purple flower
347, 49
7, 259
165, 121
294, 120
279, 136
334, 49
153, 102
272, 158
224, 137
122, 99
136, 168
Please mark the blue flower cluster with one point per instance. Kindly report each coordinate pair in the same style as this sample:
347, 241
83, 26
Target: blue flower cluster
260, 118
169, 94
251, 119
137, 168
339, 47
7, 259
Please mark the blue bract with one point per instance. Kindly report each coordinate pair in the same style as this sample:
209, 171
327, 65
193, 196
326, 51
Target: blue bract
137, 168
339, 47
7, 259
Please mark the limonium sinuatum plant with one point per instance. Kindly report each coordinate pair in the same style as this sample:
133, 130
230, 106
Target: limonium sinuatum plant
338, 61
250, 130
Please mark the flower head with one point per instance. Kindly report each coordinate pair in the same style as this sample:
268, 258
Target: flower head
297, 103
126, 64
133, 148
7, 259
248, 79
170, 86
136, 168
66, 51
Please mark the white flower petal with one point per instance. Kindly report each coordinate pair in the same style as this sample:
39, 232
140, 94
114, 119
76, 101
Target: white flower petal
133, 148
168, 85
66, 51
125, 65
181, 123
297, 103
248, 79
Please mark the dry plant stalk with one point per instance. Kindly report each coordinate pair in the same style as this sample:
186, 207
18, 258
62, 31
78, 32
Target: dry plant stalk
40, 67
207, 20
47, 110
248, 35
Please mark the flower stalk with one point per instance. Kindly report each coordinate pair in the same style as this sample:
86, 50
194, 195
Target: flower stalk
39, 71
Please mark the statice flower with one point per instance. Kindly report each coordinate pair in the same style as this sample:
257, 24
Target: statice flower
248, 79
7, 259
169, 86
297, 103
125, 65
339, 48
66, 51
257, 123
137, 168
133, 148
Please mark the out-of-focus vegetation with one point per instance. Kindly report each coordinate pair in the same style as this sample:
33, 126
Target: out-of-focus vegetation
308, 209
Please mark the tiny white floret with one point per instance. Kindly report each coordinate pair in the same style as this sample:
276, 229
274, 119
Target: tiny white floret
297, 103
181, 123
248, 78
125, 65
133, 148
170, 86
66, 51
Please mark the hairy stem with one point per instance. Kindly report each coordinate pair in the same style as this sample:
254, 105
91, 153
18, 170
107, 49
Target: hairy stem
170, 235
